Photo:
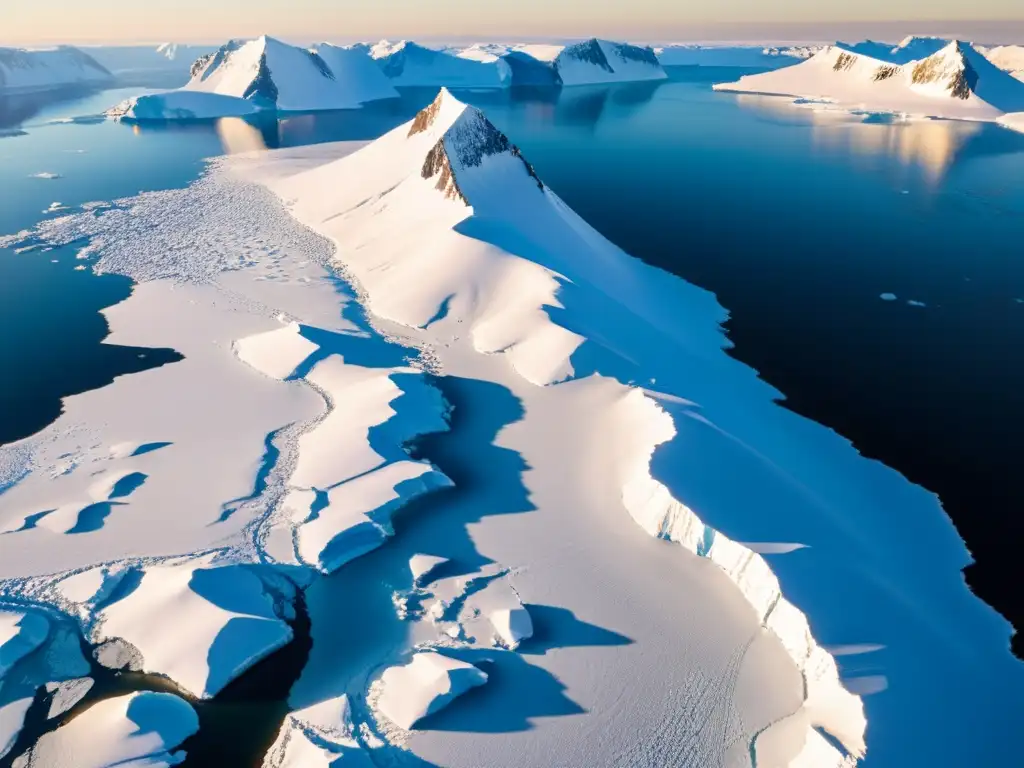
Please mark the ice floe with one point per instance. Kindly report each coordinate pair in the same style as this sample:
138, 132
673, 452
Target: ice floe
427, 684
140, 729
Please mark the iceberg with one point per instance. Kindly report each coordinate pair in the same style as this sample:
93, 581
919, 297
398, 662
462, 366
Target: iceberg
137, 729
427, 684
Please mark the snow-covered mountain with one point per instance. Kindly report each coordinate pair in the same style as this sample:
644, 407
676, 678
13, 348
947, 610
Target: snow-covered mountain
602, 61
956, 82
1009, 58
266, 75
733, 55
409, 64
25, 70
274, 75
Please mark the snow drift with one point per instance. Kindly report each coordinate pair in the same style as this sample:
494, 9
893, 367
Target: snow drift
37, 70
955, 82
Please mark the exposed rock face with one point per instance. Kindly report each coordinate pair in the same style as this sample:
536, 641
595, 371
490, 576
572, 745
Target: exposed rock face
844, 62
884, 73
262, 89
644, 55
469, 140
206, 65
321, 65
951, 70
589, 51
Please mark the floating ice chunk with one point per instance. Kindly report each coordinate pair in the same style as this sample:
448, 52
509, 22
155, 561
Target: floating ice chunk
421, 566
140, 729
773, 547
199, 626
914, 303
512, 626
65, 695
55, 207
425, 685
12, 720
276, 353
21, 632
320, 736
888, 296
44, 175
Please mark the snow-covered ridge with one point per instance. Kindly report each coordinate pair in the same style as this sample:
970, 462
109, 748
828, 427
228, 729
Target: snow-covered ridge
32, 70
957, 82
485, 180
266, 75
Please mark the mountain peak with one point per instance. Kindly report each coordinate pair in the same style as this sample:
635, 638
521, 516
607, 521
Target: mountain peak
465, 139
443, 110
948, 69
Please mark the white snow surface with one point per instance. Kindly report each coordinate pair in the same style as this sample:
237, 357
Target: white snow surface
138, 730
427, 684
956, 82
40, 70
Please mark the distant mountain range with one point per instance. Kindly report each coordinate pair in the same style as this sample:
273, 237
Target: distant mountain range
921, 76
22, 70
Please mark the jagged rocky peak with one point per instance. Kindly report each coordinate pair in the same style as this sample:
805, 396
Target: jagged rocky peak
589, 51
466, 138
949, 69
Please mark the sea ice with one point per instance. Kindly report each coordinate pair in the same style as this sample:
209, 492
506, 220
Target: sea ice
427, 684
198, 624
139, 729
512, 626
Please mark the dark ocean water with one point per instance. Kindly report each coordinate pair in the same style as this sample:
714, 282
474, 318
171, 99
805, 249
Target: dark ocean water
797, 220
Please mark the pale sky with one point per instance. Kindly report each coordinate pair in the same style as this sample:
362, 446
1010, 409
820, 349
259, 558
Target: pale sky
32, 22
